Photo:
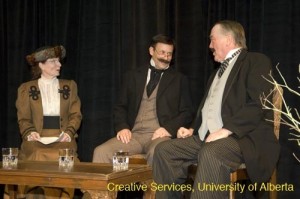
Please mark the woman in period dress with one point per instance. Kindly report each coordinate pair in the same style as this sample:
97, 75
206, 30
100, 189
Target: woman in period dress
47, 107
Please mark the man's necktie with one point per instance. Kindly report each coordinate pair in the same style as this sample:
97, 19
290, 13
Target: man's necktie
225, 63
154, 79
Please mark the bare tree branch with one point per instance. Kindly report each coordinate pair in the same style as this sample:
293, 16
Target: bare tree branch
289, 116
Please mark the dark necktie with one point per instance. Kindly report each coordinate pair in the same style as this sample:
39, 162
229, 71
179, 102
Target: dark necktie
225, 63
154, 79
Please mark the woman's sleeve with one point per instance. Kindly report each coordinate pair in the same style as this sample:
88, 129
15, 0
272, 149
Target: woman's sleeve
24, 111
74, 115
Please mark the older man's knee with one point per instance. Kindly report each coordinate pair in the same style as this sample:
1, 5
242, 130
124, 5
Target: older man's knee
208, 153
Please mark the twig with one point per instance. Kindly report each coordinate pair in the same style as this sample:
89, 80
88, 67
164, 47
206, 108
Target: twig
289, 116
296, 157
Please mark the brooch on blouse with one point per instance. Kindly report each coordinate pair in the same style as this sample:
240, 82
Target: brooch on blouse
65, 92
34, 93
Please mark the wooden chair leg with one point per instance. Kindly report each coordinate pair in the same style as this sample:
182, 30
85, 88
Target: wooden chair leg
273, 194
231, 193
233, 177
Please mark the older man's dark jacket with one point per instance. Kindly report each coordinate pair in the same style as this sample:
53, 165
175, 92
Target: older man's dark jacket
243, 115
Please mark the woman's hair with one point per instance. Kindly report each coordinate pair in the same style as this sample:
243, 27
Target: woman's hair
35, 69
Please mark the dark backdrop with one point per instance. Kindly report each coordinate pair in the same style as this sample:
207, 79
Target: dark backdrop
104, 38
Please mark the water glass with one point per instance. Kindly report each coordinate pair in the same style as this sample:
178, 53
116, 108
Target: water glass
10, 157
120, 160
66, 158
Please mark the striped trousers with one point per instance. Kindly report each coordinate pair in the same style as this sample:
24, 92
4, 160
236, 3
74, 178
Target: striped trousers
215, 160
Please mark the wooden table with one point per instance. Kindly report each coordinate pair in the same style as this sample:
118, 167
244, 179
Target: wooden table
98, 179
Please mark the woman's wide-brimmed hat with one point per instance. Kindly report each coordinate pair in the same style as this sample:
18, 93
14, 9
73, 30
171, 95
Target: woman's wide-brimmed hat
44, 53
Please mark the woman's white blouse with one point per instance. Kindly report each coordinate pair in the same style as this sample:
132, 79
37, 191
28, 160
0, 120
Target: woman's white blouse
50, 96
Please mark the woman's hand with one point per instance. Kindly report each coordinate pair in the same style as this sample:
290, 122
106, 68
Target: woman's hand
66, 138
34, 136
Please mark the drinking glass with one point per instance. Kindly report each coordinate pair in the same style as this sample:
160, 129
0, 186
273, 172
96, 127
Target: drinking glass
10, 157
120, 160
66, 158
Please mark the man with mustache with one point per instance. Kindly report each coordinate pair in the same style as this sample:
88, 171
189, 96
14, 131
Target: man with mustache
230, 127
154, 102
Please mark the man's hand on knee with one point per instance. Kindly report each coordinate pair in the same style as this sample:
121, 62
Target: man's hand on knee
124, 135
184, 133
160, 132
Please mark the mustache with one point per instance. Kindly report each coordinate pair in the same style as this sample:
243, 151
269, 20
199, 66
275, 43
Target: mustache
212, 50
164, 61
